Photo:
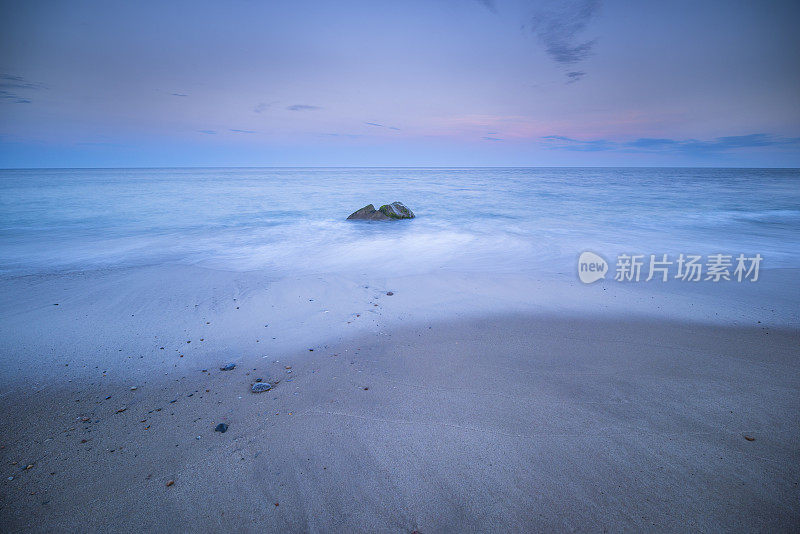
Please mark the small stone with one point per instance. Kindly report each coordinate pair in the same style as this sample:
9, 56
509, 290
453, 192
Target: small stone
122, 409
228, 367
389, 293
170, 483
222, 428
260, 387
749, 438
133, 388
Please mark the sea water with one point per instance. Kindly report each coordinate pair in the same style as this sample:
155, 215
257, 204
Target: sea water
291, 221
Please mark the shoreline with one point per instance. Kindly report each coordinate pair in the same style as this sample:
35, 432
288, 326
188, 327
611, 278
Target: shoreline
115, 322
513, 421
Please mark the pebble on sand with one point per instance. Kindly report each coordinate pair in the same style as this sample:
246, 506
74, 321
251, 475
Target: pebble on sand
228, 367
260, 387
222, 428
170, 483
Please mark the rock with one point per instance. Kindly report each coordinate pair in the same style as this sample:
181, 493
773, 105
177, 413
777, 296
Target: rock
749, 438
222, 428
387, 212
368, 213
260, 387
170, 483
396, 210
228, 367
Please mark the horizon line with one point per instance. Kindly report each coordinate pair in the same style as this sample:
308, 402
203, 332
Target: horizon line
401, 167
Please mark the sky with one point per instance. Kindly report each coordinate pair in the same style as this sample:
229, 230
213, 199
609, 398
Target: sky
400, 83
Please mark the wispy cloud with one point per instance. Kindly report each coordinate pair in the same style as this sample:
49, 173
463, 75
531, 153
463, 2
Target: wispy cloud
575, 76
382, 126
14, 89
577, 145
302, 107
207, 132
557, 25
235, 130
178, 94
488, 138
686, 146
261, 107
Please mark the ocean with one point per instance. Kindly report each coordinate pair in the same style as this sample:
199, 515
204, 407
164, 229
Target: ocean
289, 221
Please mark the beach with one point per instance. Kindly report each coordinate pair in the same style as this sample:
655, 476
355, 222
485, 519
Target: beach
449, 404
451, 372
399, 267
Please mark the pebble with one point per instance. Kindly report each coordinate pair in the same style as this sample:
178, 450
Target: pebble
749, 438
228, 367
170, 483
260, 387
133, 388
389, 293
222, 428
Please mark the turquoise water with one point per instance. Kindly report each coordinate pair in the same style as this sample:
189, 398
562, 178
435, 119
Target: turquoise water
291, 221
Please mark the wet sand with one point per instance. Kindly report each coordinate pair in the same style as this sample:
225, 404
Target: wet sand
506, 421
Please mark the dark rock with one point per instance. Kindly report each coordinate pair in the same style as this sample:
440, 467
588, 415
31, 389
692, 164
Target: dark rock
228, 367
222, 427
260, 387
368, 213
396, 210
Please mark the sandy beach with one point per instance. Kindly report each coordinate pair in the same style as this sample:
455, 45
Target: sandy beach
457, 409
470, 266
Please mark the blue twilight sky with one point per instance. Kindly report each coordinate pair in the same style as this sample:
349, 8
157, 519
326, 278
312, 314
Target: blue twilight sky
399, 83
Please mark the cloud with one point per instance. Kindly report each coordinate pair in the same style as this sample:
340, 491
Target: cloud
576, 145
302, 107
261, 107
557, 26
575, 76
382, 126
684, 146
489, 4
13, 97
241, 131
208, 132
11, 86
487, 138
178, 94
